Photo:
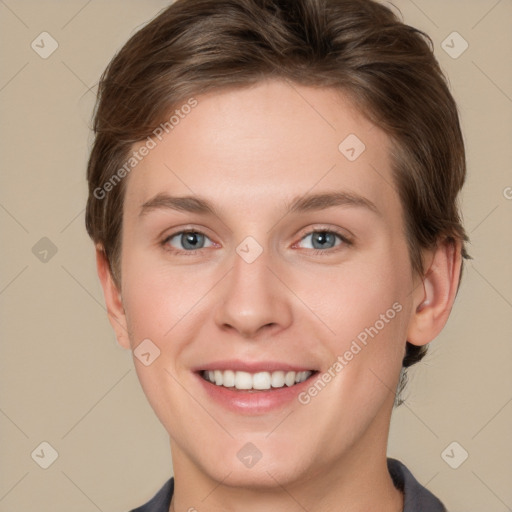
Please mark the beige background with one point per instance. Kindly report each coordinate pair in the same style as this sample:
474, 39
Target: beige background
65, 381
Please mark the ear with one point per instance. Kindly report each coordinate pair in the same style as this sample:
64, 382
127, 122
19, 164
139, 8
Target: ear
434, 300
113, 300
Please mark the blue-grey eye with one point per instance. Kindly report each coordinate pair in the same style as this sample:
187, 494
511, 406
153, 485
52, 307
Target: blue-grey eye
322, 239
189, 240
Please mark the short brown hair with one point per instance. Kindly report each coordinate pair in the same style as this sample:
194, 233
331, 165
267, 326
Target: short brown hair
361, 47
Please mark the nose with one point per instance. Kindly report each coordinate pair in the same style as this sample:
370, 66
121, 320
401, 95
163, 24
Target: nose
252, 299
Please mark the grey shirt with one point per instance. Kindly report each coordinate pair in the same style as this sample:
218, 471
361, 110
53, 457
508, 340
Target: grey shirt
416, 497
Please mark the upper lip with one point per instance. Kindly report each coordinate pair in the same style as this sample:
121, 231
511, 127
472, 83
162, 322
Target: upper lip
252, 366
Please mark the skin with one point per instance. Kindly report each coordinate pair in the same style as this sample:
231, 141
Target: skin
250, 151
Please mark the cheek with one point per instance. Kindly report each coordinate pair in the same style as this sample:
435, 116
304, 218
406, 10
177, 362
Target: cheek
159, 307
157, 299
353, 297
366, 308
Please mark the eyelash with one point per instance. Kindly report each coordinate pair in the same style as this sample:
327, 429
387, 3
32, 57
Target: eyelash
318, 252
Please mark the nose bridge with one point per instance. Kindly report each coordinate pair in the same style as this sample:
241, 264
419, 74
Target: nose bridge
252, 297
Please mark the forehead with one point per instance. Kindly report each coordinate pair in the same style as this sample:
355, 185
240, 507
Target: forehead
265, 144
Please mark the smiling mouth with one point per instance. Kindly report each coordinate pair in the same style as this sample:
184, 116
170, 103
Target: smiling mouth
259, 381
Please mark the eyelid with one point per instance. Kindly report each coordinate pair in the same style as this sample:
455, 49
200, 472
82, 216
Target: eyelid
190, 228
347, 238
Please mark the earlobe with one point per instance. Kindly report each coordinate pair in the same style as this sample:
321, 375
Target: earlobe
113, 300
434, 300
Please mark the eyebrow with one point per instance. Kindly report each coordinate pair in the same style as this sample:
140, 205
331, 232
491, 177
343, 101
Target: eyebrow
306, 203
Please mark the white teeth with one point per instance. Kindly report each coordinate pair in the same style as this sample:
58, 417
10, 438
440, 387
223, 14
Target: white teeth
289, 378
259, 380
277, 379
301, 377
228, 378
243, 380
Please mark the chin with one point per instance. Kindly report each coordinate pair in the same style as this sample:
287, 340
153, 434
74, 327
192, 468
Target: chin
244, 465
262, 476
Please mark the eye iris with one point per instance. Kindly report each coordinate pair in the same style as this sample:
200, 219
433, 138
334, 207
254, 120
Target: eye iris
323, 238
190, 240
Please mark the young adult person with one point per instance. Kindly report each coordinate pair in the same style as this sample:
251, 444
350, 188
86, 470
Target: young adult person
273, 200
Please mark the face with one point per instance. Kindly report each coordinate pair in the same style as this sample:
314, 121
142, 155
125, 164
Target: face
262, 255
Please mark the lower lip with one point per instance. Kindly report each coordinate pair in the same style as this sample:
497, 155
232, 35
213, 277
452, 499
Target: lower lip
253, 402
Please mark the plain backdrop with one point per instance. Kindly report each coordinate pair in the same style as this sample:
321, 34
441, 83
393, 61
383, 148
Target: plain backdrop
64, 379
